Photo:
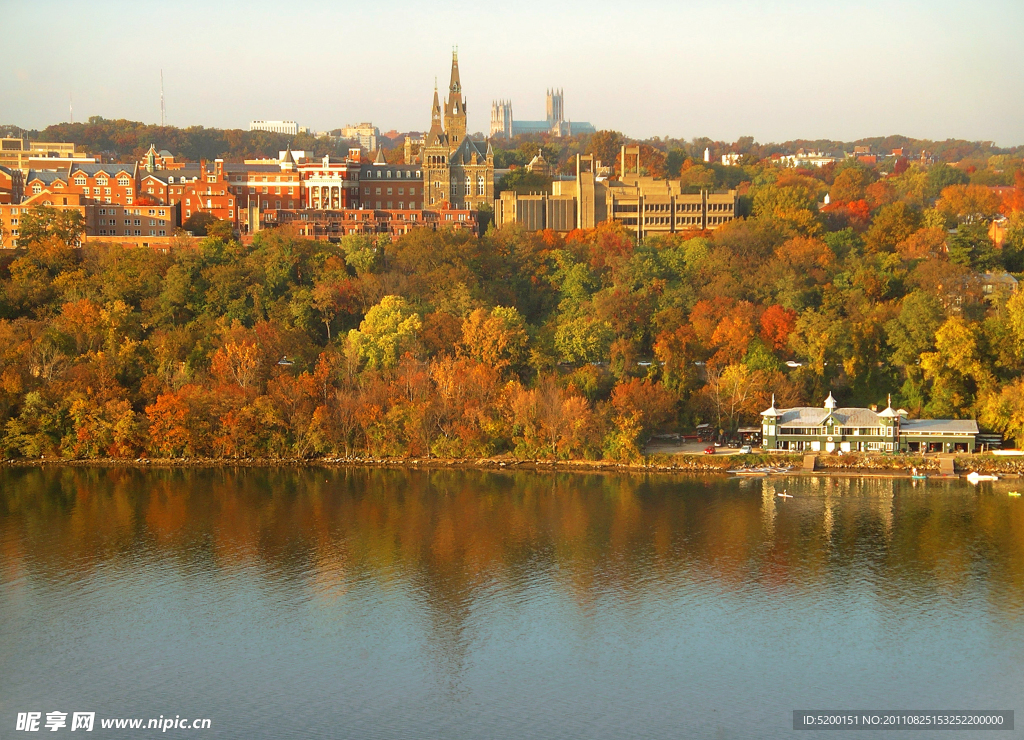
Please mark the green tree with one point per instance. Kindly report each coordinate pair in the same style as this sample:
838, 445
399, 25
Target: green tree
43, 223
390, 329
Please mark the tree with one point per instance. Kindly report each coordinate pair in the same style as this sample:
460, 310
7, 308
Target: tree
892, 224
969, 203
777, 323
849, 185
43, 223
1003, 411
955, 369
496, 337
912, 333
583, 339
390, 329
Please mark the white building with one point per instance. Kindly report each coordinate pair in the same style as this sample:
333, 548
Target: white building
365, 133
291, 128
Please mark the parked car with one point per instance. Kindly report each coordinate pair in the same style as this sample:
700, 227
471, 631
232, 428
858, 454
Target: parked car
709, 450
745, 450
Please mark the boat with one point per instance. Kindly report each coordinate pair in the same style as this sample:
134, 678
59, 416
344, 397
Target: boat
919, 477
784, 495
760, 470
975, 477
1014, 493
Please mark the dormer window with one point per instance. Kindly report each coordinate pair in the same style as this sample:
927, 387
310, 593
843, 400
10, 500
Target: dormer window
101, 181
170, 179
122, 181
79, 180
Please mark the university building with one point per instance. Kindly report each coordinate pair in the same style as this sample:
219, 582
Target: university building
643, 204
834, 429
458, 172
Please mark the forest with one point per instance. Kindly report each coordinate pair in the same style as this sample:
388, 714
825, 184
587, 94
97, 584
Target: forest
533, 345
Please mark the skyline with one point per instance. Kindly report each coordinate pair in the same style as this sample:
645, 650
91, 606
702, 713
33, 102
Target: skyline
797, 71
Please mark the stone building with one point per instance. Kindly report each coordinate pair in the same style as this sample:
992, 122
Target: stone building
458, 172
503, 123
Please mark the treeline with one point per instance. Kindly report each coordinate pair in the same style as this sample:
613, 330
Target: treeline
127, 141
535, 345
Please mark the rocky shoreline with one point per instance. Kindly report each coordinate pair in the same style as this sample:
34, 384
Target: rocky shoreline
857, 465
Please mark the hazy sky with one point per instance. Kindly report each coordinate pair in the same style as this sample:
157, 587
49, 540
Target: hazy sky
719, 68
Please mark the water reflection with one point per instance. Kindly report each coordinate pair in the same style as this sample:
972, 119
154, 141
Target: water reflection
458, 586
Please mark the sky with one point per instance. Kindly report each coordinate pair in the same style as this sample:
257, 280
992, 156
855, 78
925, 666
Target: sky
776, 71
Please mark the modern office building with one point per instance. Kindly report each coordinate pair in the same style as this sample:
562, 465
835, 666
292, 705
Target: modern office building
290, 128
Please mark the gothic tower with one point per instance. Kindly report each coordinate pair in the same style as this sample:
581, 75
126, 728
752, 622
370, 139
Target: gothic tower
455, 107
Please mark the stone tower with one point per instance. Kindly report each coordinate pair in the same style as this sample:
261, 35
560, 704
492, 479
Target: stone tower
457, 171
556, 112
455, 107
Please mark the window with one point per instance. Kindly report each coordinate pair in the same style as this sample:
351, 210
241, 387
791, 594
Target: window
163, 212
390, 191
123, 182
36, 190
138, 223
79, 181
106, 191
101, 181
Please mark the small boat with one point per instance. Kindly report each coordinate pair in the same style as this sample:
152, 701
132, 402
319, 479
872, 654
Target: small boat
975, 477
1014, 493
919, 477
784, 495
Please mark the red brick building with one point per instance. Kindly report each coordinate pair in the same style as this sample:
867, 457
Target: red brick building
333, 224
163, 186
104, 183
11, 187
209, 193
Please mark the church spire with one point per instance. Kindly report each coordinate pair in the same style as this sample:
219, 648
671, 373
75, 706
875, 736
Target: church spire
455, 106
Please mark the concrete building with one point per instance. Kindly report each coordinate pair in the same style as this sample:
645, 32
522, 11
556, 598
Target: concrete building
365, 133
22, 154
290, 128
834, 429
645, 205
503, 123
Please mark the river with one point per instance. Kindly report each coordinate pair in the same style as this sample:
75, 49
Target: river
396, 603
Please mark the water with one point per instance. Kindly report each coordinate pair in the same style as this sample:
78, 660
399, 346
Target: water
368, 603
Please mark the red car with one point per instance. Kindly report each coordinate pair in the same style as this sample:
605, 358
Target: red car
709, 450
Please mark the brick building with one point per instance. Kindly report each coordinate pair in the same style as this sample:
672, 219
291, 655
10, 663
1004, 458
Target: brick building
385, 186
333, 224
104, 183
11, 185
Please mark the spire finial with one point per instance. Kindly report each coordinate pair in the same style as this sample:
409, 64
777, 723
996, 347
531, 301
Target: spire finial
890, 400
773, 400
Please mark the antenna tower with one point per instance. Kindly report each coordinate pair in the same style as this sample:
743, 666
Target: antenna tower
162, 111
71, 107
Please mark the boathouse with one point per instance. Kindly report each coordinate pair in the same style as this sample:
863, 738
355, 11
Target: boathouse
834, 429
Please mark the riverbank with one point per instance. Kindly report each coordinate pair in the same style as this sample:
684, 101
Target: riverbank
849, 464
